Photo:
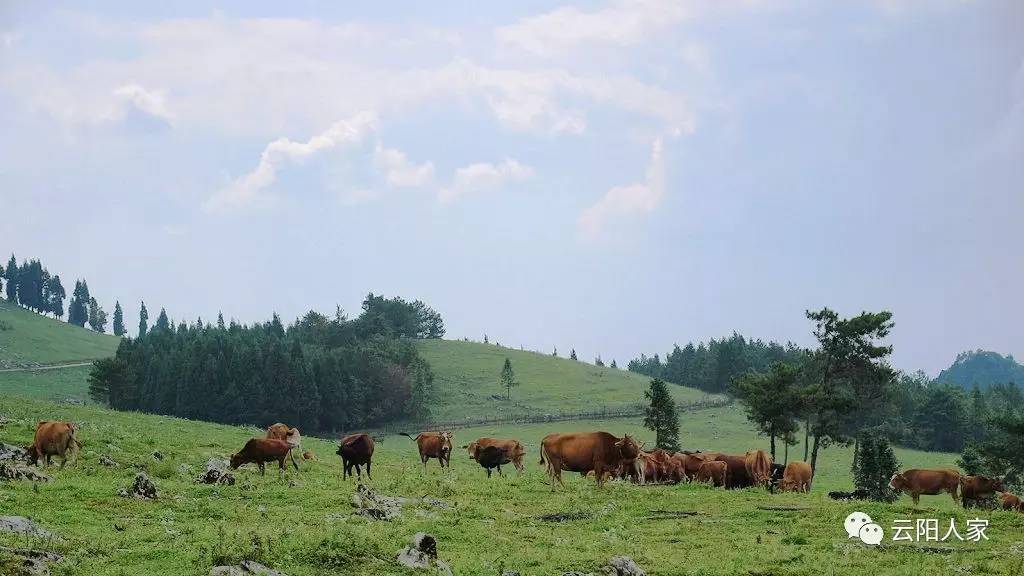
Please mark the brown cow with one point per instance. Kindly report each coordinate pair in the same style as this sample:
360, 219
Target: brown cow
976, 488
714, 471
694, 460
434, 445
355, 450
738, 477
261, 451
656, 466
758, 465
512, 449
797, 477
53, 438
281, 431
1011, 502
916, 482
585, 451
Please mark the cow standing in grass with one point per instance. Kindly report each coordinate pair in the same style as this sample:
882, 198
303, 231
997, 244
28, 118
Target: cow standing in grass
797, 477
758, 465
53, 439
584, 452
975, 489
931, 482
356, 450
714, 471
512, 450
290, 435
263, 450
433, 445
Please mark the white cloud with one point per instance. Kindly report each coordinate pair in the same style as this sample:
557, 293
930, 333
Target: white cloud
246, 188
483, 176
148, 102
399, 172
625, 202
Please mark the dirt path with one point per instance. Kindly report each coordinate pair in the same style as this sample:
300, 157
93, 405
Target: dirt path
46, 367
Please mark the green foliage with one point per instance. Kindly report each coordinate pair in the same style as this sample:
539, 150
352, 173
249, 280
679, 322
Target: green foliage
143, 320
874, 463
983, 369
1001, 451
33, 339
97, 317
508, 378
78, 309
713, 366
119, 329
572, 354
660, 416
399, 318
772, 400
11, 274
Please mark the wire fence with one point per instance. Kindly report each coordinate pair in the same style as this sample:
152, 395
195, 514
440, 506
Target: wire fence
604, 413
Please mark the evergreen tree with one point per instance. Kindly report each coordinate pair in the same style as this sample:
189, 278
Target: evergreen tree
485, 339
78, 308
555, 352
873, 466
572, 354
771, 400
55, 296
508, 379
220, 320
661, 416
163, 323
97, 316
598, 361
614, 366
143, 320
11, 273
118, 320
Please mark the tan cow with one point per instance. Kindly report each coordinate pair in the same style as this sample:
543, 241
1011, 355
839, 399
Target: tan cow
1011, 502
290, 435
263, 450
797, 477
583, 452
512, 449
931, 482
738, 477
53, 438
433, 445
714, 471
758, 465
974, 489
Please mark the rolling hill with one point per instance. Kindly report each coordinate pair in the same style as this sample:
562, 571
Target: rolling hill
982, 368
30, 340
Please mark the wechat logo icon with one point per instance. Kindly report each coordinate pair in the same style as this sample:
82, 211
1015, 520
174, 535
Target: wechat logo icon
859, 525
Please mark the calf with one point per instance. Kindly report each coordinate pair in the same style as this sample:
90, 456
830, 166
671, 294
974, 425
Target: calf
261, 451
714, 471
53, 438
1011, 502
974, 489
931, 482
491, 457
797, 476
290, 435
738, 477
433, 445
356, 450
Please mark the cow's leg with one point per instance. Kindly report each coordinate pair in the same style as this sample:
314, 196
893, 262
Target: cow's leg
368, 471
281, 466
488, 472
294, 463
916, 497
262, 467
499, 470
599, 474
359, 472
345, 467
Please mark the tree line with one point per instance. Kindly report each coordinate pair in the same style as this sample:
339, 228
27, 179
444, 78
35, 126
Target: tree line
31, 286
318, 373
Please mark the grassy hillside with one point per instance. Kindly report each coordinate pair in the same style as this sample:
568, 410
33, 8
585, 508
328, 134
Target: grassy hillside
303, 524
467, 381
28, 339
60, 385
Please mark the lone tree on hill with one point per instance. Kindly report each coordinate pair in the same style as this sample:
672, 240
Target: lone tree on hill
508, 379
873, 466
661, 416
118, 320
143, 320
572, 354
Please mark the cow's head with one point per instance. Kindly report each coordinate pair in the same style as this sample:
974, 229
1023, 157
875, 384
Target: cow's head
628, 447
31, 456
997, 485
897, 482
236, 461
446, 442
473, 449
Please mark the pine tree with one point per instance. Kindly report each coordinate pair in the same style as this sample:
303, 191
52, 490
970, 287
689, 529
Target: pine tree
555, 352
508, 379
11, 273
661, 416
873, 466
572, 354
220, 320
143, 320
78, 309
485, 339
118, 319
97, 316
55, 296
162, 322
614, 366
598, 361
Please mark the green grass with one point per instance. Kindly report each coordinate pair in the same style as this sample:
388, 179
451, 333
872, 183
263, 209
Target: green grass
302, 524
467, 382
61, 385
28, 339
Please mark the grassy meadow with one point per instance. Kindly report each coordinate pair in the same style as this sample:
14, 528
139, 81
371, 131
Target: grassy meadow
28, 339
466, 377
302, 522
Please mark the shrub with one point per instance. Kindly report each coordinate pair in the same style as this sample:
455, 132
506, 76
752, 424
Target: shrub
873, 466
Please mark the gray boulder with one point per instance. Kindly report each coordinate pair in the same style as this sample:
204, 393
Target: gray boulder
422, 554
22, 525
142, 488
623, 566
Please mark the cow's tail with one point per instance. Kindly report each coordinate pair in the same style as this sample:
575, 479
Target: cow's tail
407, 435
543, 452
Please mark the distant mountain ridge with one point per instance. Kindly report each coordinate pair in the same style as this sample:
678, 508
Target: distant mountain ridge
982, 368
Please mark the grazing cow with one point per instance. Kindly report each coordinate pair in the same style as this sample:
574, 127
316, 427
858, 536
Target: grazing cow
738, 477
1011, 502
356, 450
694, 460
583, 452
714, 471
855, 495
797, 477
758, 465
512, 450
261, 451
53, 438
290, 435
491, 457
656, 466
974, 489
778, 470
434, 445
931, 482
679, 463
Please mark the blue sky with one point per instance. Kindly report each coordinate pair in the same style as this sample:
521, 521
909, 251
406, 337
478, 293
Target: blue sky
610, 176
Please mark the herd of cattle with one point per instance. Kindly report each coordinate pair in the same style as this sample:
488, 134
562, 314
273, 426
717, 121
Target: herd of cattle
599, 453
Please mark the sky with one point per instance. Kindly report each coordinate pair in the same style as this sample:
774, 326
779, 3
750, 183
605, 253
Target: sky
613, 177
